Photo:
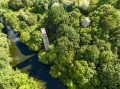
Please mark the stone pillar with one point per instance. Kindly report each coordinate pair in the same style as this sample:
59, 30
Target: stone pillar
45, 39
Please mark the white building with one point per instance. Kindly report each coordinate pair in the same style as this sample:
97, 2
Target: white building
86, 22
45, 39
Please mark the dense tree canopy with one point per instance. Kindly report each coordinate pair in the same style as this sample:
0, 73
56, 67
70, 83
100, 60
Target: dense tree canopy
82, 58
10, 79
109, 75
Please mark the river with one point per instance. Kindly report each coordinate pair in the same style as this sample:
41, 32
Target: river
28, 61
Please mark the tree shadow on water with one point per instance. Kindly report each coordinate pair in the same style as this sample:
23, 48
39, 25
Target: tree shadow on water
41, 72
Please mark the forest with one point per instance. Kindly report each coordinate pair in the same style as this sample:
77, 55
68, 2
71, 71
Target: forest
81, 58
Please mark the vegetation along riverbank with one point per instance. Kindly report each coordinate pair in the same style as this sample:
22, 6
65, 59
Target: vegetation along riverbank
84, 38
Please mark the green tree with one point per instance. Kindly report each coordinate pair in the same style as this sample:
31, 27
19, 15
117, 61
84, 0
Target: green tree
85, 36
21, 81
107, 56
109, 2
88, 53
9, 78
13, 23
1, 27
4, 3
28, 3
23, 25
41, 5
31, 20
15, 4
34, 40
74, 18
36, 37
64, 45
109, 23
48, 57
55, 15
25, 37
75, 75
70, 33
82, 4
109, 74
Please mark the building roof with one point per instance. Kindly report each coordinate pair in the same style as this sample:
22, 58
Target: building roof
87, 19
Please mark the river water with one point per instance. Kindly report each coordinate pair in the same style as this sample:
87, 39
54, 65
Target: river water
28, 61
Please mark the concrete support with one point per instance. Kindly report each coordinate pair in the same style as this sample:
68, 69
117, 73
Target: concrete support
45, 39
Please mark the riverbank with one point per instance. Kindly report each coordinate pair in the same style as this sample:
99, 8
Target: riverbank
28, 62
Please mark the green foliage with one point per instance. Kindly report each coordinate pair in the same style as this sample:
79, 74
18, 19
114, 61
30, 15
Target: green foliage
74, 18
4, 3
47, 57
85, 36
13, 23
117, 4
55, 15
82, 58
70, 33
33, 47
15, 4
32, 40
74, 75
82, 3
28, 3
28, 17
37, 37
98, 45
41, 5
88, 53
109, 75
2, 12
18, 4
21, 81
35, 41
10, 79
25, 36
1, 26
21, 20
23, 25
93, 5
5, 67
31, 20
106, 56
109, 23
5, 59
114, 2
64, 45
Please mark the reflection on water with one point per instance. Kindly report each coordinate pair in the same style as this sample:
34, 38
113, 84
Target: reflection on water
13, 36
26, 69
40, 71
28, 62
17, 55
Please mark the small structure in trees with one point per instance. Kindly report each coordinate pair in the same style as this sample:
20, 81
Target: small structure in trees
45, 39
86, 22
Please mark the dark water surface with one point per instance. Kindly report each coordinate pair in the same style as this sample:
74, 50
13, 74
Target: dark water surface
28, 62
41, 72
